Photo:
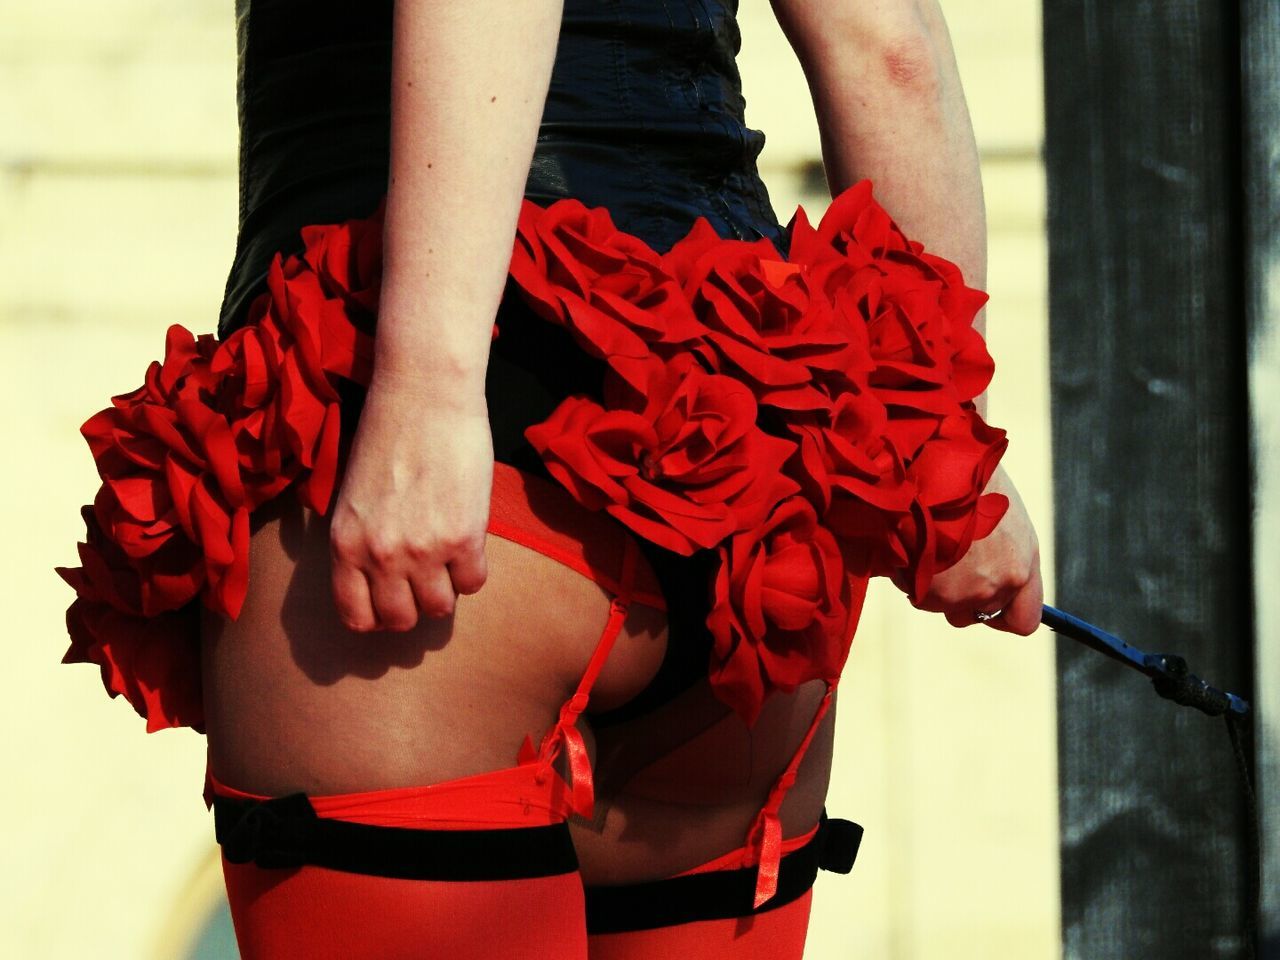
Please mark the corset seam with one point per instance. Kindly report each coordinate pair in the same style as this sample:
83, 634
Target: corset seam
643, 161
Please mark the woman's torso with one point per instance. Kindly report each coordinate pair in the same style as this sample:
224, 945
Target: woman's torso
644, 115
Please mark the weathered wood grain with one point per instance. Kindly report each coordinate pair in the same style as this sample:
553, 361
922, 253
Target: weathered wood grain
1147, 306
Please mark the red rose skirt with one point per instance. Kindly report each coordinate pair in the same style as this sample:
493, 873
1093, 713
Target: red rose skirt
809, 418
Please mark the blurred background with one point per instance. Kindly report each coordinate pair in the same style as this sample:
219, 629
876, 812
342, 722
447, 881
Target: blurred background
117, 217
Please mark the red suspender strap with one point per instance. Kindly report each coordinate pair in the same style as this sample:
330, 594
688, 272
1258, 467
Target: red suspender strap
208, 780
565, 733
764, 838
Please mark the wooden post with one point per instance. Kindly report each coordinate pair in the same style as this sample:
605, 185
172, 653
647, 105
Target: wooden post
1151, 470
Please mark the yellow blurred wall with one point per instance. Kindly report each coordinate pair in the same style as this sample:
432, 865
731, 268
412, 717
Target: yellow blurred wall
117, 218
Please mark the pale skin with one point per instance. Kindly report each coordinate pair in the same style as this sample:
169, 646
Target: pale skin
409, 524
395, 642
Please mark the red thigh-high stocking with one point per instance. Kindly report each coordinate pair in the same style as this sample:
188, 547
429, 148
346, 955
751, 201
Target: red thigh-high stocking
312, 911
699, 914
776, 935
749, 904
388, 882
320, 913
477, 867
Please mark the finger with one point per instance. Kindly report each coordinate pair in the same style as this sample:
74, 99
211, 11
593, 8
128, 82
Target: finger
961, 603
967, 612
1022, 615
351, 597
432, 589
393, 600
469, 569
968, 616
963, 595
933, 603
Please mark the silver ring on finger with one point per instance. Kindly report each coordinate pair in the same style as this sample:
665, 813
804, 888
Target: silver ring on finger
982, 616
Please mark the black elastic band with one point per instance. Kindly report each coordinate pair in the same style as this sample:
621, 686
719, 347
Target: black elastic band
285, 832
721, 894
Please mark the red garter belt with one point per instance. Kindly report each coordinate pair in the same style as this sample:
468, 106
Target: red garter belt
809, 418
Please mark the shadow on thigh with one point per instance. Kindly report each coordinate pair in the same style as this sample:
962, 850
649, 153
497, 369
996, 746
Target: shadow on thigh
681, 785
294, 701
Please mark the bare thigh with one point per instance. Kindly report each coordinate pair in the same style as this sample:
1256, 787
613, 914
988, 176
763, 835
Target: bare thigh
294, 701
682, 785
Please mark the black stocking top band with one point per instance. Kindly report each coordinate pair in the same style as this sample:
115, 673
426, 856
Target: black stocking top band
285, 832
721, 894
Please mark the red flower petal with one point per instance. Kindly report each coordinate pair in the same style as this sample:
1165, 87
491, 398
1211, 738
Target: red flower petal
809, 419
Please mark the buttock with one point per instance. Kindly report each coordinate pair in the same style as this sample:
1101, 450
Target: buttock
682, 785
534, 365
452, 697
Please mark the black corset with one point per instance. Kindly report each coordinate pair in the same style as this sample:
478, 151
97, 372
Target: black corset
644, 116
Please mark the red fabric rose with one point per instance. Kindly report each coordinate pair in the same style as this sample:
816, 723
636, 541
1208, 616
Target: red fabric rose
347, 260
844, 457
971, 364
927, 365
216, 429
918, 310
172, 499
684, 466
810, 419
153, 660
608, 288
854, 228
784, 608
765, 323
950, 510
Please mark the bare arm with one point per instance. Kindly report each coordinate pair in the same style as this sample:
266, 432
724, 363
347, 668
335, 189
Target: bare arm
469, 85
887, 93
890, 107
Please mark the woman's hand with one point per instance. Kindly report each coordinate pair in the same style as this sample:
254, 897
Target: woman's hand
408, 529
1000, 572
468, 89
